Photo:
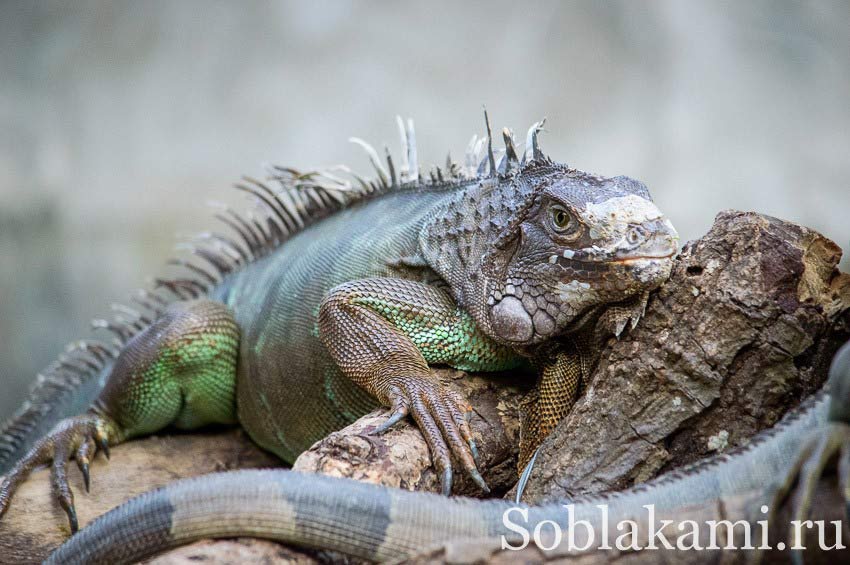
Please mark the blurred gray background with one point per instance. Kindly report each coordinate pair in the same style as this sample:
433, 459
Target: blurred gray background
119, 120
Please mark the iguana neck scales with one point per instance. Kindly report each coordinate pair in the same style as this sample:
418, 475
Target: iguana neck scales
340, 295
381, 524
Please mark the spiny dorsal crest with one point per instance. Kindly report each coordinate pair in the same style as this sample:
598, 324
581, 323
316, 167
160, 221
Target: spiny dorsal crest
289, 200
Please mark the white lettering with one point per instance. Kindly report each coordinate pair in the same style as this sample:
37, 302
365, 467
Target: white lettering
556, 535
713, 525
506, 522
656, 532
571, 530
631, 534
693, 534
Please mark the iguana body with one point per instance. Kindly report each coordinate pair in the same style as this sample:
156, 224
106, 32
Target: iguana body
380, 524
342, 297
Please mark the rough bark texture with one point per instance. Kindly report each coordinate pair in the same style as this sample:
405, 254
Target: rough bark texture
743, 330
241, 550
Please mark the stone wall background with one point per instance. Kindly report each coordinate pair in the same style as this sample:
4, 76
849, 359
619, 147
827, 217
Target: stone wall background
119, 120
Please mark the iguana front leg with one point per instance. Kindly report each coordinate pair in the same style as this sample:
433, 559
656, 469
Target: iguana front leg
384, 332
560, 375
179, 371
565, 367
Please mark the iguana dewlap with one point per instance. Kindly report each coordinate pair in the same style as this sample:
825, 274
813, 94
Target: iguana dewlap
337, 297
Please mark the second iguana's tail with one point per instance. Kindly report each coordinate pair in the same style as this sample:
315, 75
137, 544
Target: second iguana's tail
306, 510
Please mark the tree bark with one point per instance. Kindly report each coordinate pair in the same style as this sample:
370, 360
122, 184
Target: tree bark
743, 330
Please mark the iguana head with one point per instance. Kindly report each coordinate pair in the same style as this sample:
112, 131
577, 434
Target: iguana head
581, 242
529, 254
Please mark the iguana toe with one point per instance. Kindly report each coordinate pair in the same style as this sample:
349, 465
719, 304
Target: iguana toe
83, 458
474, 450
84, 471
400, 409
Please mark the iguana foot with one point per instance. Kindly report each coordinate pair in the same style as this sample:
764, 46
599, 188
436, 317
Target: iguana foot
80, 436
618, 316
180, 370
384, 332
443, 418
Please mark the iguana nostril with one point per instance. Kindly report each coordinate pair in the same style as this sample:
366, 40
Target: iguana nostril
634, 235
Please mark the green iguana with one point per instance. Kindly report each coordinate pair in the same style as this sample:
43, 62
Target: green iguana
377, 523
341, 293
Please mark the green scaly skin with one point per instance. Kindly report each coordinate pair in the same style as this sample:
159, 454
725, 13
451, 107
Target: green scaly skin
456, 341
178, 372
380, 524
334, 317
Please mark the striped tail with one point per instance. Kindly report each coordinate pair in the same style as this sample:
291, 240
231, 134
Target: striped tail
306, 510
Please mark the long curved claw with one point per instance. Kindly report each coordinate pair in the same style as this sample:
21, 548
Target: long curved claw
78, 435
84, 471
72, 517
61, 488
400, 409
474, 450
102, 443
83, 459
524, 476
443, 418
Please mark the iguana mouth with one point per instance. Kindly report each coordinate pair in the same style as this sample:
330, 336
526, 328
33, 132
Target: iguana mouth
639, 258
603, 260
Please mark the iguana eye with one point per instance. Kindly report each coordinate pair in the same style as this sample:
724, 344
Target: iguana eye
563, 221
